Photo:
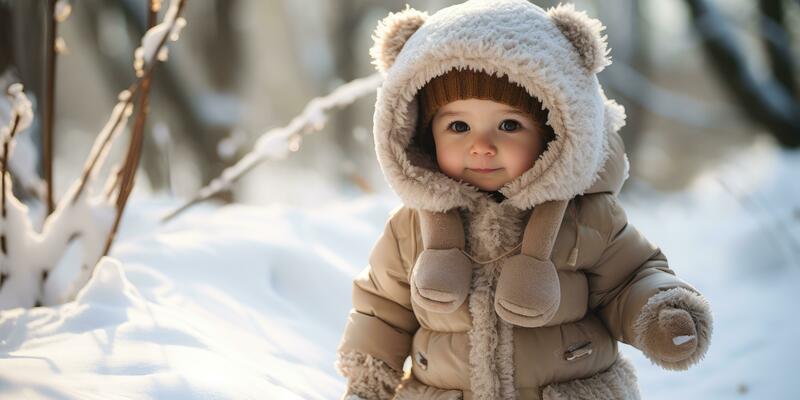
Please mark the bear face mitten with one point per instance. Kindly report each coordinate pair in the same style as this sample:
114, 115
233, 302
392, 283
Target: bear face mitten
674, 328
528, 290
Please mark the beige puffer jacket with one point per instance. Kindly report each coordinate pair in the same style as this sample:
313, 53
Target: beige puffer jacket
610, 284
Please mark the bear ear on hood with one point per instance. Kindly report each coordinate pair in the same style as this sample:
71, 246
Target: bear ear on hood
584, 34
392, 33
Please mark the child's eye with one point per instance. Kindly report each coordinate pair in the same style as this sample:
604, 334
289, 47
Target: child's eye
509, 125
458, 126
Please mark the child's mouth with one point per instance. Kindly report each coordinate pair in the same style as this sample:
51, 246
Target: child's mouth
484, 170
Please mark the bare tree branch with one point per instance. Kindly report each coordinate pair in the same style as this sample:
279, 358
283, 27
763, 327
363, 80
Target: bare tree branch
49, 104
199, 132
91, 163
203, 132
778, 43
128, 172
6, 144
767, 102
278, 142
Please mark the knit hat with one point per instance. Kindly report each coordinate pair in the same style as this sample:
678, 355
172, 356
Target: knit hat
459, 84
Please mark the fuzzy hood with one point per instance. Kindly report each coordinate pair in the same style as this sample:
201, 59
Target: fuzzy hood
554, 54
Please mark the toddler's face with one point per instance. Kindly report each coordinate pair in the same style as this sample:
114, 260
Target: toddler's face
485, 143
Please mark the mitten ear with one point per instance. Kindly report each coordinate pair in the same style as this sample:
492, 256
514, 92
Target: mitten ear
584, 34
441, 275
392, 33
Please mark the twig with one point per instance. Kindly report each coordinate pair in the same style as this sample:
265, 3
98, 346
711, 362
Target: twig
124, 179
6, 142
113, 183
279, 141
92, 163
132, 89
131, 164
49, 96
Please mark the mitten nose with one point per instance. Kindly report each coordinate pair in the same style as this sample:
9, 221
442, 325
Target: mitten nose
440, 280
528, 291
679, 330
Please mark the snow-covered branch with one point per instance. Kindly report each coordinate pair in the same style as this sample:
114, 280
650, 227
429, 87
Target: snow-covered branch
277, 143
20, 115
170, 28
102, 143
63, 10
154, 39
51, 266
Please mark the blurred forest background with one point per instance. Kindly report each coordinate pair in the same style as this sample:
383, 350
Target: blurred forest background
700, 79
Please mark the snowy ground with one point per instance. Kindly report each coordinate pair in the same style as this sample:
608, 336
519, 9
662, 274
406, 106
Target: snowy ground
249, 302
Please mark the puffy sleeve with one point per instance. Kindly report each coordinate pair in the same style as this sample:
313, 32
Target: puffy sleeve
630, 272
381, 324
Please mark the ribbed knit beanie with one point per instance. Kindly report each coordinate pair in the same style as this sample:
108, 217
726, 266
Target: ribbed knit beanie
461, 84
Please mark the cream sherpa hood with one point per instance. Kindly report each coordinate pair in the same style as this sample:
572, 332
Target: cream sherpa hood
554, 54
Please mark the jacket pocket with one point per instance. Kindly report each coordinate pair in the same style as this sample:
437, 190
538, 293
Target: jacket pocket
441, 359
586, 349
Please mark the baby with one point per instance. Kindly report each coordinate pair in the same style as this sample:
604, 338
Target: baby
511, 271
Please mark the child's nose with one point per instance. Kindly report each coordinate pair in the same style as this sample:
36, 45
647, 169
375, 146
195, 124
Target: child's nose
483, 146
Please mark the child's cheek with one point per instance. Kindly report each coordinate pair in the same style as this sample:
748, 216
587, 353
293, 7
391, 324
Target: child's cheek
522, 159
450, 161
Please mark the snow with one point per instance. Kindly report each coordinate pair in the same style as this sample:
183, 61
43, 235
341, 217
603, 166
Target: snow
71, 240
249, 302
154, 40
212, 305
50, 265
735, 235
63, 10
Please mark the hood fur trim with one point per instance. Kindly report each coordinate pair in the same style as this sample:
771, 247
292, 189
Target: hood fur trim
511, 38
